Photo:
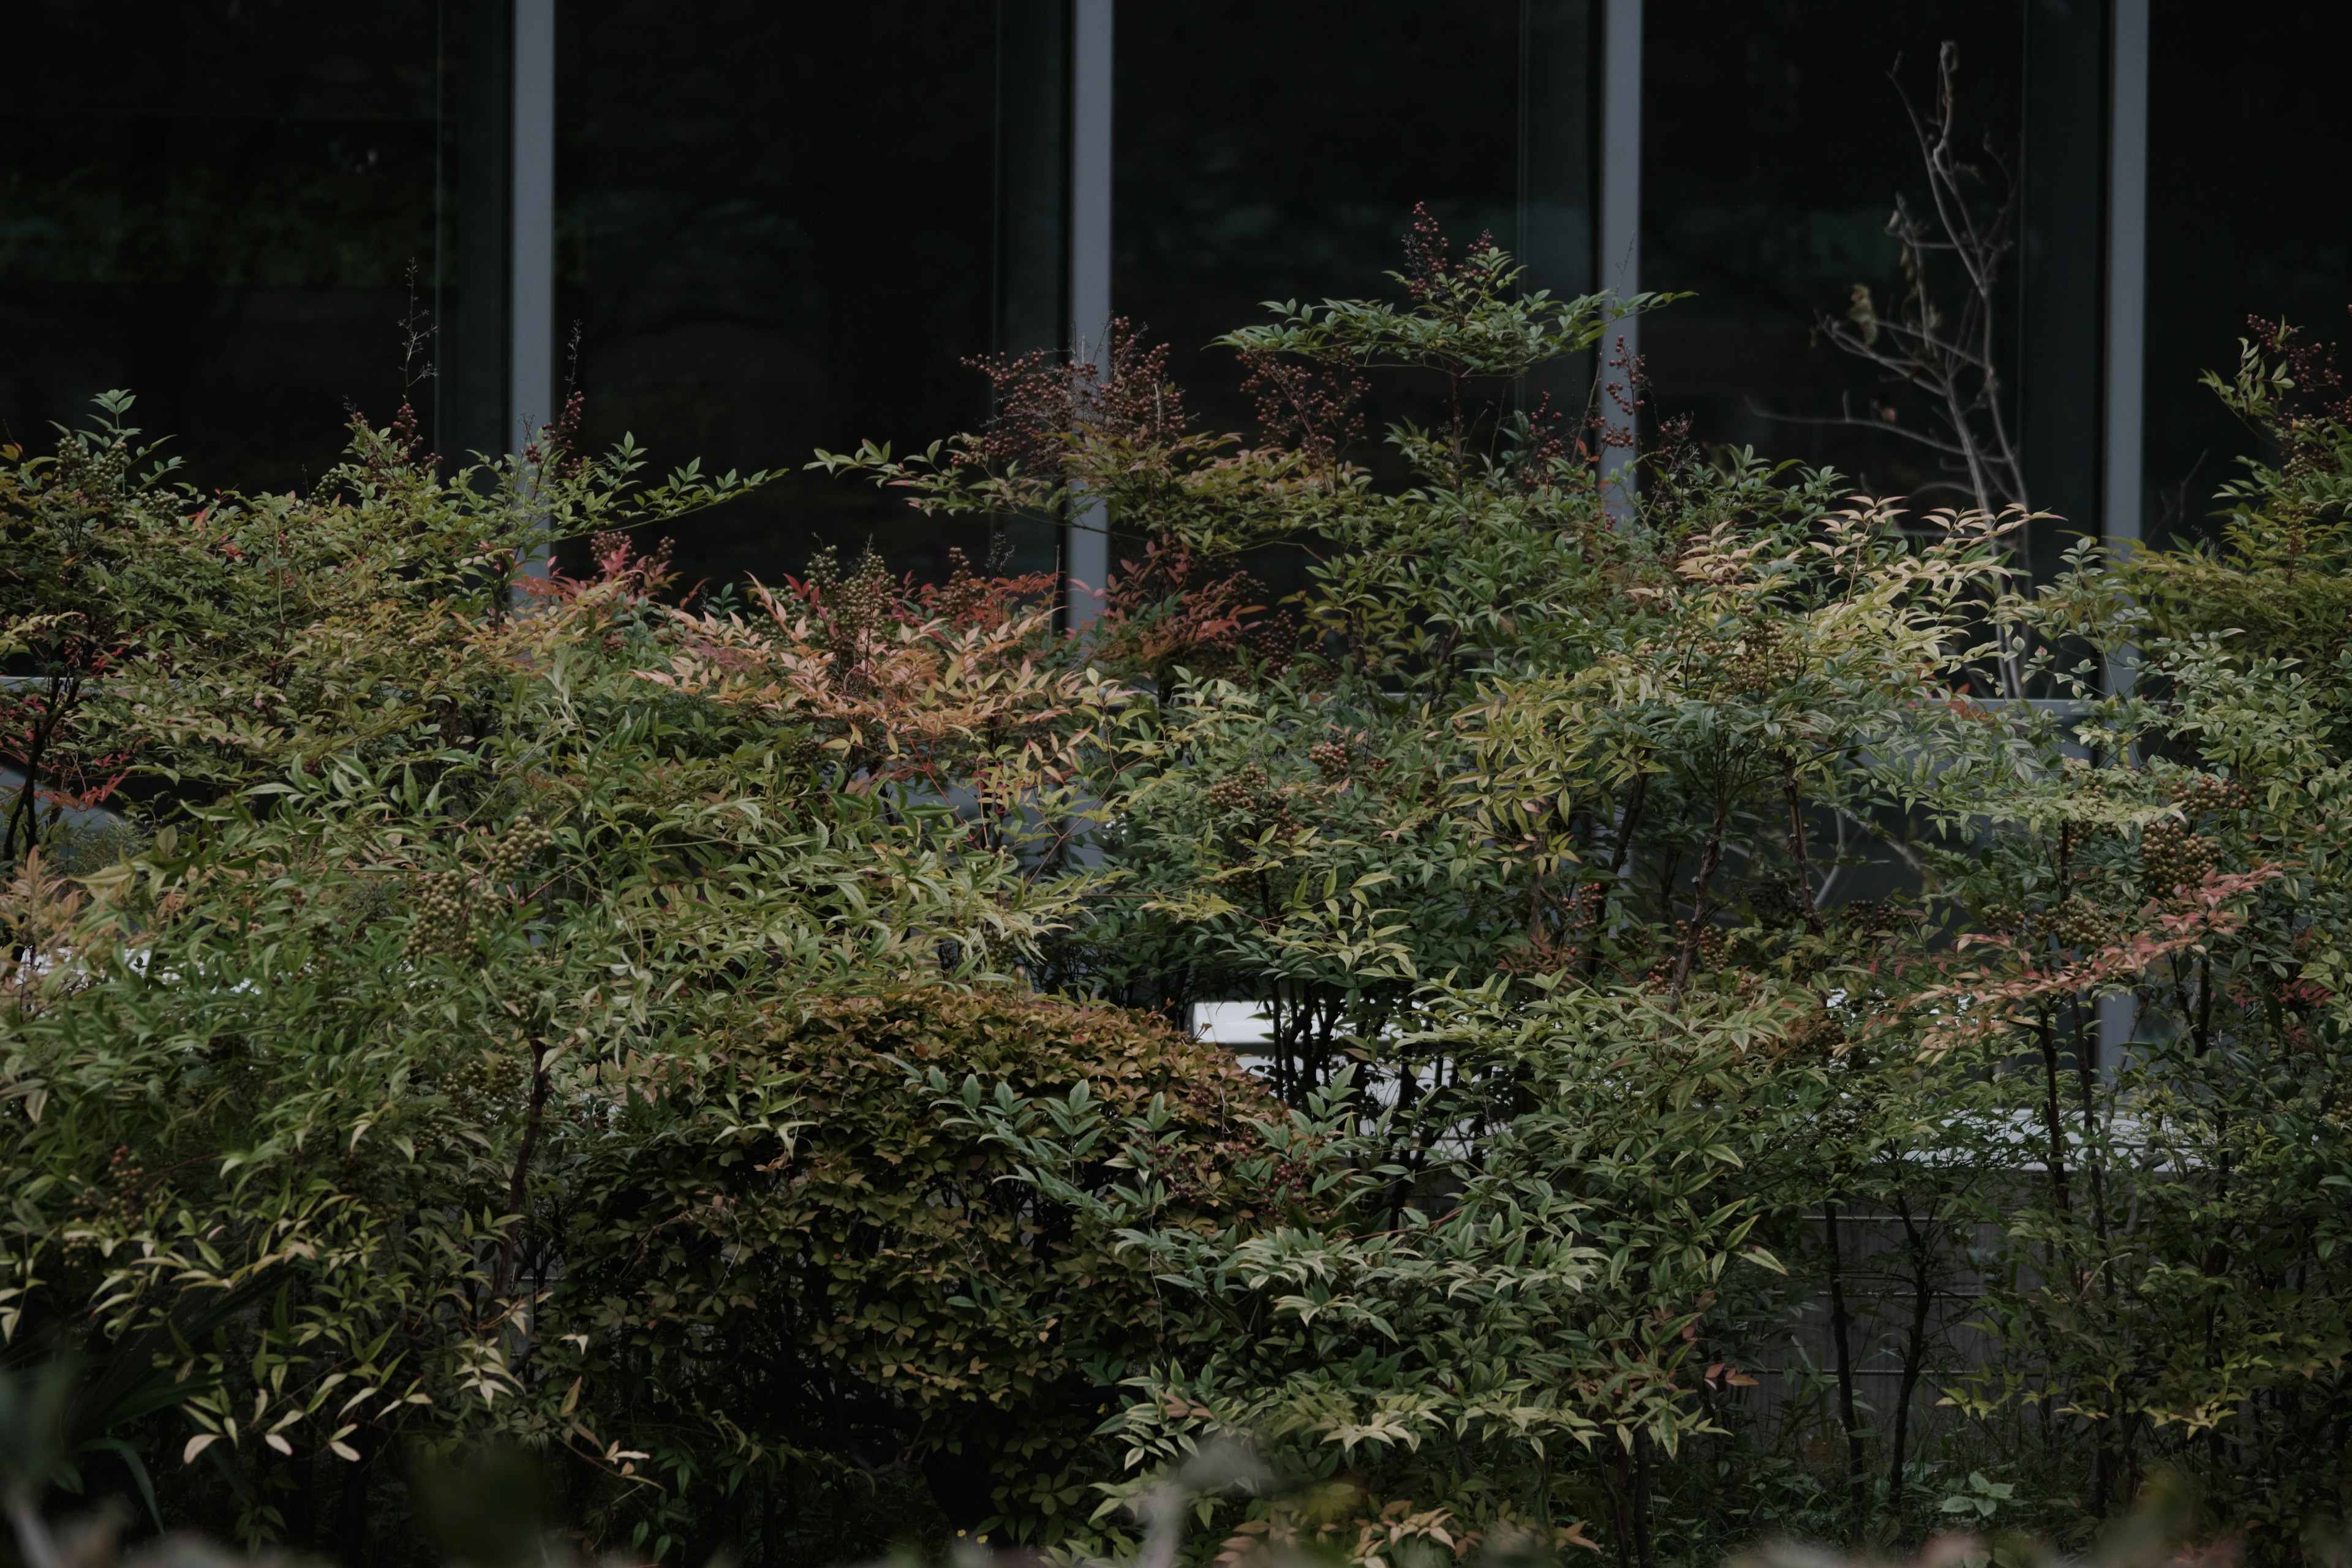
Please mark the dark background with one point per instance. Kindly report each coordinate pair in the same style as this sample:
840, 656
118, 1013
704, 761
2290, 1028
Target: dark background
786, 226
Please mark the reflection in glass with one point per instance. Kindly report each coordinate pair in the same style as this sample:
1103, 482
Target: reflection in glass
776, 234
216, 205
2062, 267
1773, 145
2247, 143
1033, 201
1558, 138
1277, 153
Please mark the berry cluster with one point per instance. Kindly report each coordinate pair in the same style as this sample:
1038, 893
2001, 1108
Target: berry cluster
111, 1201
445, 898
476, 1079
1252, 795
1310, 408
1240, 793
1116, 387
1339, 757
986, 597
441, 915
2002, 916
1330, 759
2078, 922
2210, 792
1870, 919
2073, 922
1707, 954
523, 842
2171, 857
853, 605
1818, 1032
1762, 661
93, 467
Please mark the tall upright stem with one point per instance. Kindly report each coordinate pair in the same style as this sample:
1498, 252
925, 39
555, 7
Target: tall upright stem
1618, 853
1703, 899
1915, 1346
518, 1188
1644, 1548
2046, 1036
1842, 1346
1796, 804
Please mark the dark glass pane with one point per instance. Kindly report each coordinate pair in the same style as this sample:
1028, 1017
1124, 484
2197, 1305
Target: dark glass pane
2062, 273
776, 231
1773, 147
1560, 134
1276, 151
214, 204
2247, 143
1032, 176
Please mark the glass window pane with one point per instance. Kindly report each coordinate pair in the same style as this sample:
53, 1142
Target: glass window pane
2247, 140
1277, 153
216, 204
776, 234
1773, 146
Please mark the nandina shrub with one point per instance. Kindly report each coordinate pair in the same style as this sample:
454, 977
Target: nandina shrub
609, 1027
420, 872
868, 1284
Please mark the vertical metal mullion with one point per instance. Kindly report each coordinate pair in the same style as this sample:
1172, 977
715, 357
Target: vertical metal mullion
1620, 269
2125, 367
1086, 558
531, 374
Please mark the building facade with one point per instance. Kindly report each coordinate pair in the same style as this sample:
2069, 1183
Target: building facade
748, 229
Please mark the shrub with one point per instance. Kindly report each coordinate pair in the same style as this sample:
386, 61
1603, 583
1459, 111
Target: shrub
867, 1283
721, 1044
